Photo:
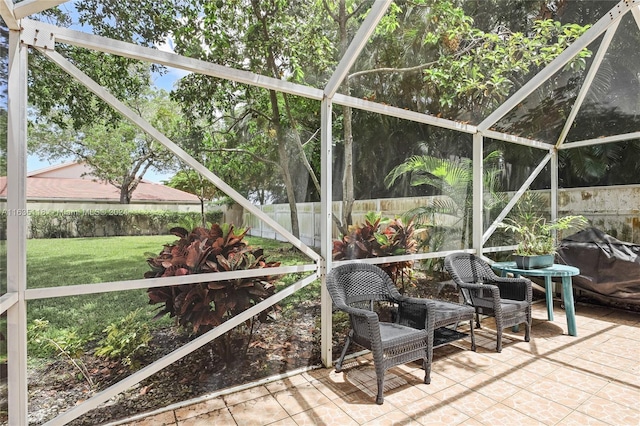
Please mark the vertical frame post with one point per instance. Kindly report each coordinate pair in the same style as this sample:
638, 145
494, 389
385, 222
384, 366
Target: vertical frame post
326, 227
554, 186
478, 189
17, 228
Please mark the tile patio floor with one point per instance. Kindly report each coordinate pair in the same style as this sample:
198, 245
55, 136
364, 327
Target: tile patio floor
555, 379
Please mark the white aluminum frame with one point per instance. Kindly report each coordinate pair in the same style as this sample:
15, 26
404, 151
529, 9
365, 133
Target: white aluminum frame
43, 37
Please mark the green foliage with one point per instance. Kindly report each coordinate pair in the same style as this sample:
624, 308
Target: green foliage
126, 340
203, 306
83, 223
535, 235
448, 218
66, 343
477, 69
380, 237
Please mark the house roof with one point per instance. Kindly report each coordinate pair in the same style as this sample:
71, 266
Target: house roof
77, 189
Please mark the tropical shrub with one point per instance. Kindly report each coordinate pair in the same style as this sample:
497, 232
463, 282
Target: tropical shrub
205, 305
380, 237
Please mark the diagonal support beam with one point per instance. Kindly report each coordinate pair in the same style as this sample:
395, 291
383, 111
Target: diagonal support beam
7, 13
534, 174
361, 38
586, 85
29, 7
560, 61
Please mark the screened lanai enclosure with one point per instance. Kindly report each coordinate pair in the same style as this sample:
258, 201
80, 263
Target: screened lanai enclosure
438, 115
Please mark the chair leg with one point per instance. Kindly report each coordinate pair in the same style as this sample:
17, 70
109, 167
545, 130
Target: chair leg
527, 332
478, 320
426, 365
380, 380
473, 337
347, 342
499, 334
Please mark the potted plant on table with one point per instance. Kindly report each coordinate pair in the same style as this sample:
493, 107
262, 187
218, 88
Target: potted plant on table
536, 240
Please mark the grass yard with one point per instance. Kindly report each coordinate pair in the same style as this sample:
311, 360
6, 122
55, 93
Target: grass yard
61, 262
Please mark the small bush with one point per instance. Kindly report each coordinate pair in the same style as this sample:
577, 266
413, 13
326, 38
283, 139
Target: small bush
126, 340
203, 306
380, 237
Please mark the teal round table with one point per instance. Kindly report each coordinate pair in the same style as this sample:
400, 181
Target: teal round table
563, 271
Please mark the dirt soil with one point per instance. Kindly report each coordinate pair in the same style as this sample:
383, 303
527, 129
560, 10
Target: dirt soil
285, 343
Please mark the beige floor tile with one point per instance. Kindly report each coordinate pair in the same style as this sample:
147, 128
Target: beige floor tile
300, 398
538, 407
431, 411
326, 414
258, 411
607, 373
629, 378
199, 408
406, 395
559, 393
501, 415
520, 377
453, 370
610, 412
577, 379
283, 384
245, 395
332, 388
162, 419
438, 382
221, 417
464, 399
491, 387
577, 418
628, 396
471, 422
362, 407
284, 422
394, 418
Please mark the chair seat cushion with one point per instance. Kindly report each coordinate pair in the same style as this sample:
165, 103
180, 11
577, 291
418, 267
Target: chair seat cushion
390, 332
508, 305
447, 313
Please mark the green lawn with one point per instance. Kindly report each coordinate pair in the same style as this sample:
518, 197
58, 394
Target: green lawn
61, 262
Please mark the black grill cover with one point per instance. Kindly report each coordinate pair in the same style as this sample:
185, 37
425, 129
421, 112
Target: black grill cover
609, 268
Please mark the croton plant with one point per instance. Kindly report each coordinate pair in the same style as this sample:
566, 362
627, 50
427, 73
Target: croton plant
205, 305
380, 237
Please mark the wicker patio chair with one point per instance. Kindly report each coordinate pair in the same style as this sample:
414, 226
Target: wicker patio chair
506, 299
357, 288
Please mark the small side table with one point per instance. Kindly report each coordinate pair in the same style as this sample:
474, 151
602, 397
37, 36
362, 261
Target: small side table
563, 271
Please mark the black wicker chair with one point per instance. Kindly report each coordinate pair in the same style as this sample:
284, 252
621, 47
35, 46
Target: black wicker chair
356, 288
506, 299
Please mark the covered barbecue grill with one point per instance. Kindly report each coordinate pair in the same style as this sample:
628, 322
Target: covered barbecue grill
609, 268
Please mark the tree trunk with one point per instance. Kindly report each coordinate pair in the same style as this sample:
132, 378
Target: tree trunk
348, 197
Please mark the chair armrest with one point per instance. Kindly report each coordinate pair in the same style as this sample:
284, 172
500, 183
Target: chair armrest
515, 288
484, 289
365, 323
416, 313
